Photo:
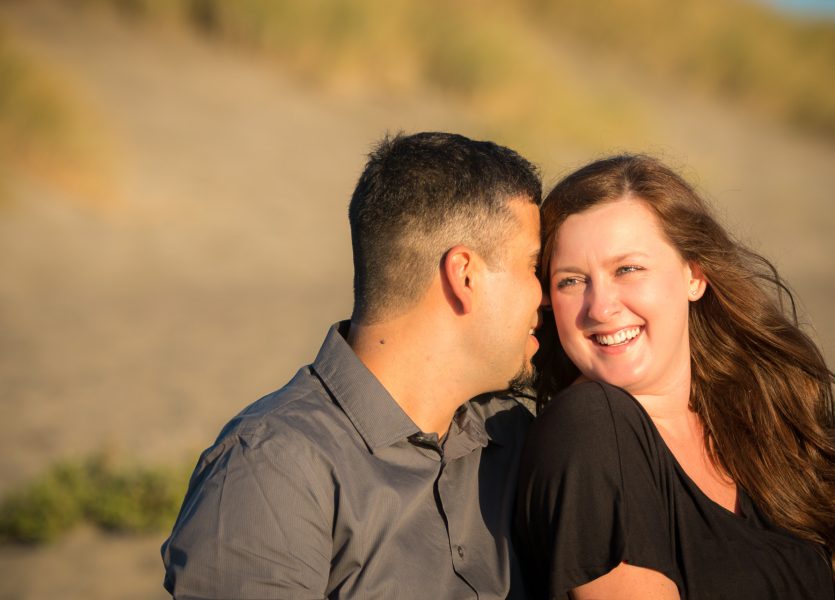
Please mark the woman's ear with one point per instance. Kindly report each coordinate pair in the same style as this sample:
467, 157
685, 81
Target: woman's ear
458, 268
698, 282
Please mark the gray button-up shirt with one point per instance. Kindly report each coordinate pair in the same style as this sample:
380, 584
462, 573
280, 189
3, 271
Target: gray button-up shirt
327, 489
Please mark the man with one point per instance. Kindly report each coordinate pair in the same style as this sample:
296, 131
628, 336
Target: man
371, 474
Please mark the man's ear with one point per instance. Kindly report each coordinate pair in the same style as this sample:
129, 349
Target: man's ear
457, 269
698, 282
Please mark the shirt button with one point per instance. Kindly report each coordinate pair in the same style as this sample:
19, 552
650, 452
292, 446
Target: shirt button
460, 551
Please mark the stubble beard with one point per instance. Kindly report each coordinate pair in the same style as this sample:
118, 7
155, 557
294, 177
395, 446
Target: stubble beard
522, 383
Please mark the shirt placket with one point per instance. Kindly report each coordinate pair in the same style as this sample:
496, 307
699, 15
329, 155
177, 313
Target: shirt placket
448, 495
452, 492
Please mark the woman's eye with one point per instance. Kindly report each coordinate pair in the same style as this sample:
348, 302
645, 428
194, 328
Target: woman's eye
567, 282
628, 269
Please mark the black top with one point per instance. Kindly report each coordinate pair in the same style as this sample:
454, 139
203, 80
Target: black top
327, 489
599, 486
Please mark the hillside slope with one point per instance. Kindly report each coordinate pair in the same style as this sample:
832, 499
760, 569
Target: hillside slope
223, 255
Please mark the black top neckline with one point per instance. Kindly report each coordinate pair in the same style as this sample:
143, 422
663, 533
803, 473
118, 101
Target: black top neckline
742, 496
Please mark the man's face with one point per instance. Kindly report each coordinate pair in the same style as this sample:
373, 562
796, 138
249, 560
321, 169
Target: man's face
512, 299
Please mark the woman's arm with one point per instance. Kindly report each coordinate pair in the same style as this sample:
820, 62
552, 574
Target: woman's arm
628, 582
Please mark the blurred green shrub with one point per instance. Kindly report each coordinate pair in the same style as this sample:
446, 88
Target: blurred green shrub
98, 490
47, 507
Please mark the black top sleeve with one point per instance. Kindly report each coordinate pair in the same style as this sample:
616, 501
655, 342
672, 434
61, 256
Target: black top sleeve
591, 493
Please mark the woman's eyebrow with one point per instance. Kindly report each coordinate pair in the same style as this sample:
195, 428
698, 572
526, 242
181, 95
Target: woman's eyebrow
628, 255
565, 269
555, 268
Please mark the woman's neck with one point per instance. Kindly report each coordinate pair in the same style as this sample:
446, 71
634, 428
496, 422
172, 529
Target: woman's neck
683, 433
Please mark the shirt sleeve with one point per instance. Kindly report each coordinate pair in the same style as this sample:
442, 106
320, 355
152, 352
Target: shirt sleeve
253, 524
590, 494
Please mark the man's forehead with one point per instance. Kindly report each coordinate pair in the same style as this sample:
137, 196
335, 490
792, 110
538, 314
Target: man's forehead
527, 215
523, 207
525, 231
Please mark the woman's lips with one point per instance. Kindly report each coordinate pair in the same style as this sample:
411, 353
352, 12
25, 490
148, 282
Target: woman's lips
620, 337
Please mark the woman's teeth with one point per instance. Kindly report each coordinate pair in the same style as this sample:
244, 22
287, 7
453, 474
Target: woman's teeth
621, 337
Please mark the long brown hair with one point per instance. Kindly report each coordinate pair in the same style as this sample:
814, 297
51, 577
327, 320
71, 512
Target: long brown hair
759, 384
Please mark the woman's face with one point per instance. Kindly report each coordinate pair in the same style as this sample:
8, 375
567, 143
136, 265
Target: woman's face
620, 294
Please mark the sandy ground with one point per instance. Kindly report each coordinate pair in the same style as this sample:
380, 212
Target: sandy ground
224, 255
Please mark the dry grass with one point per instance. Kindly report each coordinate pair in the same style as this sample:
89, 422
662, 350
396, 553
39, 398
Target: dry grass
501, 59
34, 121
44, 127
505, 63
738, 50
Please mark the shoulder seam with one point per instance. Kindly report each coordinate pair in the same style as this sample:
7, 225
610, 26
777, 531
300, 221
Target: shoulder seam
248, 422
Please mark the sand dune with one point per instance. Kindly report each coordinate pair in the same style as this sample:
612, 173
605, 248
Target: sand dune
224, 254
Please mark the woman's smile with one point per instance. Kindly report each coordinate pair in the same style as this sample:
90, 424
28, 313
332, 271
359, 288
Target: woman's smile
621, 337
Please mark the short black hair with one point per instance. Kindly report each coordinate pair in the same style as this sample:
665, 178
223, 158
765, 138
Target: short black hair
418, 196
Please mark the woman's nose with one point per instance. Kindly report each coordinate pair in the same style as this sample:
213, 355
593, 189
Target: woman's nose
601, 302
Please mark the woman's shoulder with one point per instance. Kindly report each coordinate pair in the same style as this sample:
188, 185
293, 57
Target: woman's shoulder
584, 403
590, 495
595, 418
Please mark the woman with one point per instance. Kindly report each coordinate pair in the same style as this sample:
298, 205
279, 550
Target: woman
686, 449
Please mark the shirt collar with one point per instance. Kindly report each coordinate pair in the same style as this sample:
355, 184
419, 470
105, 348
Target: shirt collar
371, 409
466, 433
375, 414
481, 417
